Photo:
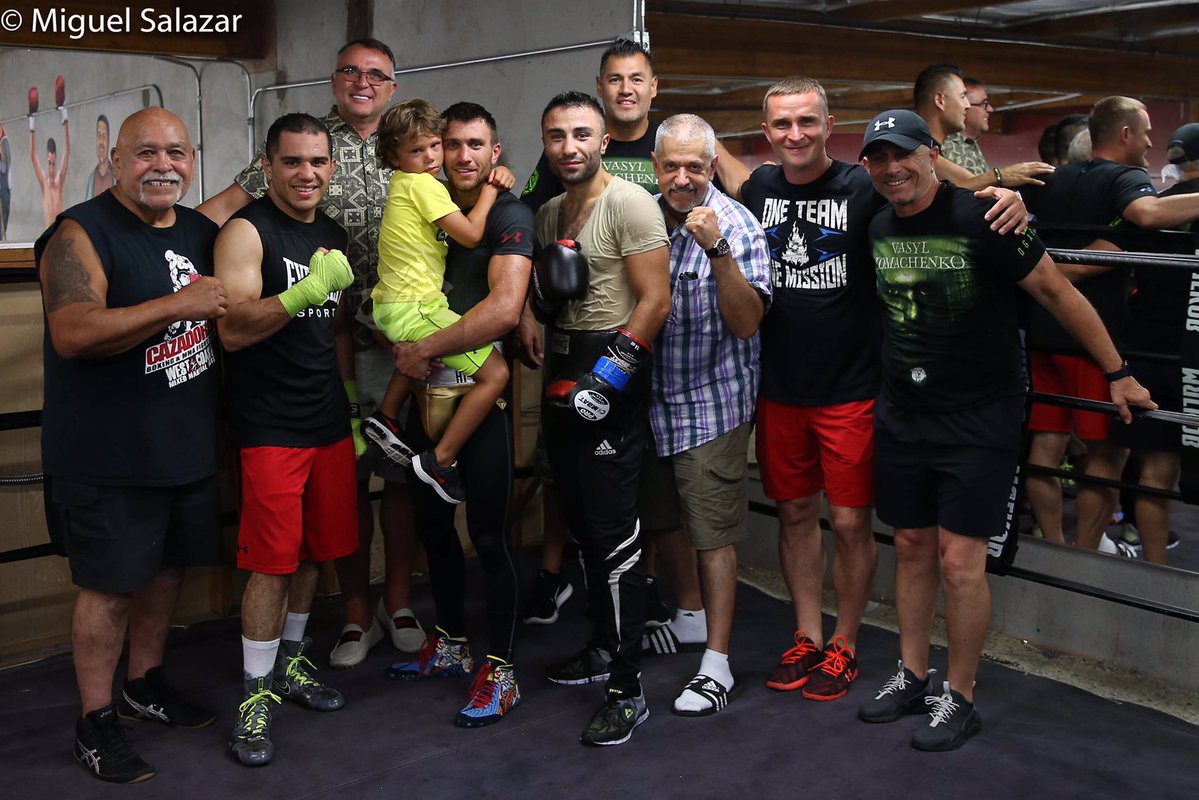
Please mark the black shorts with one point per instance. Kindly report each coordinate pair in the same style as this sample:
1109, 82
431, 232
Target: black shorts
960, 486
116, 538
1164, 382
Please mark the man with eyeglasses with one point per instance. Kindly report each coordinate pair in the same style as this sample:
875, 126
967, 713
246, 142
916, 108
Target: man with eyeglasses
363, 87
962, 147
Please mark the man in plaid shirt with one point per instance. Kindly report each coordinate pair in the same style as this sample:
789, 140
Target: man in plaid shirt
705, 384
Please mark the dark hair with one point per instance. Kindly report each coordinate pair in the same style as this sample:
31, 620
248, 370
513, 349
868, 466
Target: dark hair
370, 44
623, 48
465, 111
51, 147
573, 99
973, 83
1046, 145
1068, 127
930, 81
104, 119
295, 123
398, 123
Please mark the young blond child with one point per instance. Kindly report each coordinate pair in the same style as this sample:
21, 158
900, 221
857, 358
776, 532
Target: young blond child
408, 301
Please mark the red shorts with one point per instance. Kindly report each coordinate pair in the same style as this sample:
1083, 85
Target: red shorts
298, 504
1073, 376
803, 449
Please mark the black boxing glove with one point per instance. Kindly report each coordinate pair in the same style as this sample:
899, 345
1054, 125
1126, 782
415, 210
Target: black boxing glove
560, 274
598, 394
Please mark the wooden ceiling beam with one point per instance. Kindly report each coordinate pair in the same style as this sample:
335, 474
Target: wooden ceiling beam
886, 10
769, 50
1115, 21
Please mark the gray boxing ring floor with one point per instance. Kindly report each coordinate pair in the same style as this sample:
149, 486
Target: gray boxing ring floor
392, 741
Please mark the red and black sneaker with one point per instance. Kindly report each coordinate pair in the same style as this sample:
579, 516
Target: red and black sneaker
796, 665
830, 681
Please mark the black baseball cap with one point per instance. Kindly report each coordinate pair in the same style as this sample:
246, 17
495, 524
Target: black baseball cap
1184, 144
900, 127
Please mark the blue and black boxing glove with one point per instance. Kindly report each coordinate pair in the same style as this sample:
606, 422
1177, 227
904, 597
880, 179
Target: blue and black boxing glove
598, 394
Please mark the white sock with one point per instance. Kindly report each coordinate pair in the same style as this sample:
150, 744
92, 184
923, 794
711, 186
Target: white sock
258, 658
293, 627
690, 626
715, 665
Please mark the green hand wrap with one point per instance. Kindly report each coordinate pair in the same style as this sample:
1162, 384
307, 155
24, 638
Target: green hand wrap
327, 272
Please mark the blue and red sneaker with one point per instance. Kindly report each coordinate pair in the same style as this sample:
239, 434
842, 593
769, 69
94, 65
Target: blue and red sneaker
492, 695
441, 656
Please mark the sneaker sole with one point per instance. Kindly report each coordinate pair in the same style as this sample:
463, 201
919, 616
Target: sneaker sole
603, 676
482, 722
622, 740
431, 481
382, 437
788, 687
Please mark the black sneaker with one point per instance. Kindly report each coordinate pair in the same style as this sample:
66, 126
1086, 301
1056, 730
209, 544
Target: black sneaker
101, 746
614, 723
293, 679
445, 480
656, 612
550, 593
151, 699
251, 741
589, 665
386, 432
954, 720
902, 694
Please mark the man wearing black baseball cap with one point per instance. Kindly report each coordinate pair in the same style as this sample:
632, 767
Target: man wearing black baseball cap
948, 420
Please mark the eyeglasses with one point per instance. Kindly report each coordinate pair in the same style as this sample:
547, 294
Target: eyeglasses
984, 104
374, 77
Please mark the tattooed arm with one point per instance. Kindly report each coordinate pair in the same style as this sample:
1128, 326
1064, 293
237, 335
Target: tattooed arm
74, 292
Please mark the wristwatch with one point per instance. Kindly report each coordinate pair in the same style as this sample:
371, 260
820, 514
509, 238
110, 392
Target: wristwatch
721, 248
1122, 372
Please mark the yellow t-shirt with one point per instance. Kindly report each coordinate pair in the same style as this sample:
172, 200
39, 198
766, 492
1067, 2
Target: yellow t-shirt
625, 221
411, 247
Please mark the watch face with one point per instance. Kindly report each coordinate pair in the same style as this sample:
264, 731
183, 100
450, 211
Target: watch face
721, 248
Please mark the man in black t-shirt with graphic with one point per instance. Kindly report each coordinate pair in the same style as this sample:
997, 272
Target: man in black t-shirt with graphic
949, 417
487, 286
1111, 191
291, 419
820, 375
128, 427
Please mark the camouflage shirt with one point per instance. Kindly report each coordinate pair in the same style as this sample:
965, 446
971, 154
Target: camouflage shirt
965, 153
356, 198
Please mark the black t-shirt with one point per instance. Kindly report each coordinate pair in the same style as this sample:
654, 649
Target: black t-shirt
285, 391
629, 160
821, 337
1091, 194
1157, 309
145, 416
509, 231
948, 284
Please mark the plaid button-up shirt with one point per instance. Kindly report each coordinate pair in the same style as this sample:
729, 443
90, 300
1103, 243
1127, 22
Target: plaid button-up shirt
705, 379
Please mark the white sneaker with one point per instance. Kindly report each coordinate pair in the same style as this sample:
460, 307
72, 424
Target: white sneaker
351, 652
407, 637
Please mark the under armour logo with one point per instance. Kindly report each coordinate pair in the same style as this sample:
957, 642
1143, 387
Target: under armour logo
889, 122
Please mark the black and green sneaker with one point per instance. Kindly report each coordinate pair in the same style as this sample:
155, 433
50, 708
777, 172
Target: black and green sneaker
150, 698
251, 741
902, 694
101, 746
589, 665
293, 679
953, 720
620, 714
